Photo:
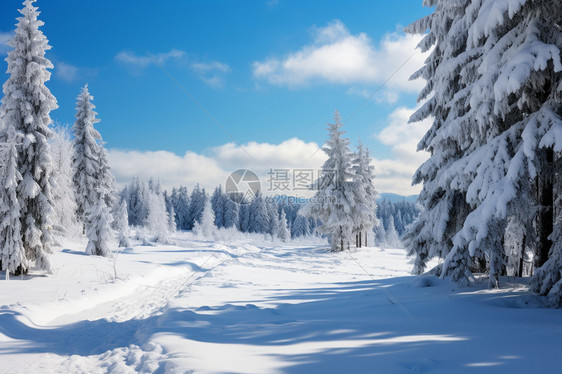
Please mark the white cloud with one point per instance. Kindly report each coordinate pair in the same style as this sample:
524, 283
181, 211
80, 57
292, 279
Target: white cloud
380, 96
395, 174
337, 56
213, 169
5, 37
212, 73
138, 62
70, 73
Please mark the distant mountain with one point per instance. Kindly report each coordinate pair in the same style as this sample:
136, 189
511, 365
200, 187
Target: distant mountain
394, 198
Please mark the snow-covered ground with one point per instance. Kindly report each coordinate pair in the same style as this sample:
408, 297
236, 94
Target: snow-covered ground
234, 306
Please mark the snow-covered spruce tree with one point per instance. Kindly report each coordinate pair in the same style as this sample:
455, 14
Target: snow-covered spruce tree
85, 160
273, 219
258, 215
136, 195
12, 252
380, 235
300, 226
364, 210
121, 224
92, 179
218, 204
64, 197
205, 227
26, 107
334, 200
157, 217
231, 211
283, 233
196, 206
449, 70
181, 207
391, 236
511, 113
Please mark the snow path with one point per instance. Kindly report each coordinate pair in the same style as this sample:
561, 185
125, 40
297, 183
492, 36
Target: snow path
208, 307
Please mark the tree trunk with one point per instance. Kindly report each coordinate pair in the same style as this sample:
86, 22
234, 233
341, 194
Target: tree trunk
545, 198
365, 238
360, 237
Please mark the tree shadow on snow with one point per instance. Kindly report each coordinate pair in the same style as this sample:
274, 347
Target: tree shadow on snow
392, 325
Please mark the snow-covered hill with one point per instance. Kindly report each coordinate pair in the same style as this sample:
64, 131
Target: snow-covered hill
246, 305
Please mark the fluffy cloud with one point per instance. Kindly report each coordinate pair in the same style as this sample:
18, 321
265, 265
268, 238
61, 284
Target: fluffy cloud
337, 56
136, 62
70, 73
213, 169
5, 37
212, 73
395, 174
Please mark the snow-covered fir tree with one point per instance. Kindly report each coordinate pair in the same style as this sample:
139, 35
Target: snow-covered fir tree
26, 108
85, 160
180, 199
273, 218
121, 224
98, 225
64, 197
231, 212
92, 178
136, 195
300, 226
445, 208
364, 210
495, 141
157, 219
12, 252
334, 200
283, 233
206, 227
259, 219
391, 236
218, 204
196, 206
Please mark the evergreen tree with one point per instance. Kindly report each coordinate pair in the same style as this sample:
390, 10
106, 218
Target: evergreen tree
218, 202
449, 70
26, 108
496, 84
231, 213
391, 235
121, 224
136, 196
92, 178
64, 197
283, 233
12, 252
98, 221
206, 225
85, 161
273, 219
300, 226
364, 210
258, 215
334, 200
196, 206
157, 219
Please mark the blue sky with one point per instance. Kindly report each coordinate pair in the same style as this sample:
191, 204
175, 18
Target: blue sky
268, 71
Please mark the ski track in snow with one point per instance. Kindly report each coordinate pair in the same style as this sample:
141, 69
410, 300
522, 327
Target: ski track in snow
206, 307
